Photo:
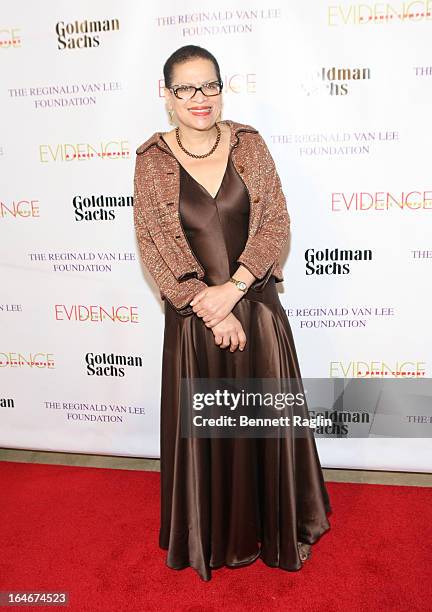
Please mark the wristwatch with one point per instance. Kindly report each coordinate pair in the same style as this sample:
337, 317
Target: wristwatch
239, 284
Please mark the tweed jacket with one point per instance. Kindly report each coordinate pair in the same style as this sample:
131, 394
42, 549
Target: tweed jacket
163, 245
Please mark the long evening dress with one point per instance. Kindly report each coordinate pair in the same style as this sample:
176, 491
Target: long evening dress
228, 501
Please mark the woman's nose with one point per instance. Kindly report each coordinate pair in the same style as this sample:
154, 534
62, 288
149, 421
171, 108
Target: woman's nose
198, 97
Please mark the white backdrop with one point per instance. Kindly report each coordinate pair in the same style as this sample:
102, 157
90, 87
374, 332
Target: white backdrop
342, 95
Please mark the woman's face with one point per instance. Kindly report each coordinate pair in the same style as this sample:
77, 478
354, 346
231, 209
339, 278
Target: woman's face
195, 72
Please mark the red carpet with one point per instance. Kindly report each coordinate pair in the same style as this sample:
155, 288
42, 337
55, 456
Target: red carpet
93, 532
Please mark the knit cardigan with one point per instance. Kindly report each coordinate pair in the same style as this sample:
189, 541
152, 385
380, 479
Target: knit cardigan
163, 245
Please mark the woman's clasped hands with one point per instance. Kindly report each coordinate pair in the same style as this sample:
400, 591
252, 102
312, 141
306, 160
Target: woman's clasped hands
214, 305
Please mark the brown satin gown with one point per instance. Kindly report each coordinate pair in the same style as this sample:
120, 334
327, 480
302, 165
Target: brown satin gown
228, 501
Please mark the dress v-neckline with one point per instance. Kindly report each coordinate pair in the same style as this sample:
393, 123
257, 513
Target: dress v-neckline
202, 186
194, 179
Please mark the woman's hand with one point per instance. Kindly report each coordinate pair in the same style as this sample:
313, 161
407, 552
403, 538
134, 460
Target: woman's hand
214, 303
229, 332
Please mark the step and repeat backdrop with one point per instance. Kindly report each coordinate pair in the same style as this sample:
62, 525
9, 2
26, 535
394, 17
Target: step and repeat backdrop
340, 91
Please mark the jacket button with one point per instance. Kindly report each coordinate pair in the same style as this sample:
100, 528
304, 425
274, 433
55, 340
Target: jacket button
170, 203
256, 199
178, 236
241, 169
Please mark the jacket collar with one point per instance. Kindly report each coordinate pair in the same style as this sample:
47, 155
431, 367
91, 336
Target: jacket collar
236, 128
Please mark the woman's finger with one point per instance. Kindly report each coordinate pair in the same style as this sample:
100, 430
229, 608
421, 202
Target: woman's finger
234, 341
218, 338
199, 296
226, 341
213, 322
242, 339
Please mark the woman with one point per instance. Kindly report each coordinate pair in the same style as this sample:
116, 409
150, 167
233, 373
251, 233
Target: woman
211, 221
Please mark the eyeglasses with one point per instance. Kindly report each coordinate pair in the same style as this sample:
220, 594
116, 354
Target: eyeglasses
186, 92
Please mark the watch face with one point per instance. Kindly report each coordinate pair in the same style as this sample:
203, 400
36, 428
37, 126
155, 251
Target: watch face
242, 285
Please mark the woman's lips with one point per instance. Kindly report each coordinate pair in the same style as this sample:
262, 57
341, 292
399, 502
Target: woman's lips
200, 112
